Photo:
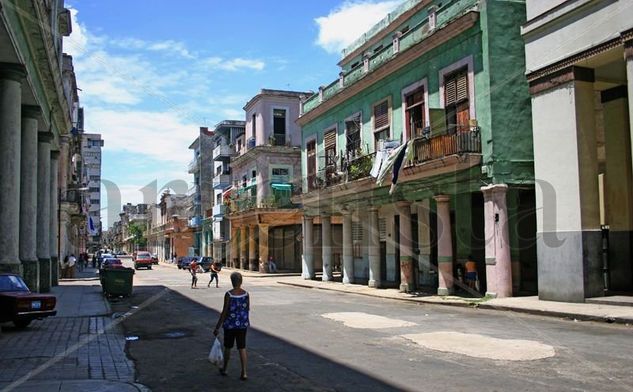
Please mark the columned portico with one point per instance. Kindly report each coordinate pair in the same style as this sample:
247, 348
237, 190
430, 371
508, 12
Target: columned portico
243, 247
407, 280
444, 245
44, 209
54, 221
498, 260
348, 255
307, 268
235, 252
326, 235
11, 76
263, 247
424, 243
252, 248
374, 248
28, 198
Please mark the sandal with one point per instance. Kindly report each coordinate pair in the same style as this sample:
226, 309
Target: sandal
223, 372
243, 377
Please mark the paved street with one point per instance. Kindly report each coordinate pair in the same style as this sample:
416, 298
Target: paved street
306, 339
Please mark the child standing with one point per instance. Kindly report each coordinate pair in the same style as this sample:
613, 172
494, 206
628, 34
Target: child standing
193, 269
235, 321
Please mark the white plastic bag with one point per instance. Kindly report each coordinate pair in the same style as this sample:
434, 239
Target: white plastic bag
216, 356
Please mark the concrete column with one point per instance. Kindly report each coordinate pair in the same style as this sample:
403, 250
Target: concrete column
28, 198
407, 280
567, 195
252, 249
44, 208
628, 55
11, 76
374, 248
235, 257
444, 245
348, 248
54, 221
497, 237
307, 265
243, 247
326, 239
512, 199
424, 244
263, 246
618, 187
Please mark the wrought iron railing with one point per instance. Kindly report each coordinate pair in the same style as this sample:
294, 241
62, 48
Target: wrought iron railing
445, 144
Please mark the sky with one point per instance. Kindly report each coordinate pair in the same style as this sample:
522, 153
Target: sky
152, 72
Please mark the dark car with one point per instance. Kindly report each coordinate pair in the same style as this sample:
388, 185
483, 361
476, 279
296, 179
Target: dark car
183, 262
19, 305
111, 262
205, 263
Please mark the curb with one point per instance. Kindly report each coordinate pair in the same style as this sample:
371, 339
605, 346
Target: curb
255, 274
481, 305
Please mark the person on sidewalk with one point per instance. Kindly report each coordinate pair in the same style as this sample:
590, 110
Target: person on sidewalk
235, 321
193, 269
471, 273
72, 260
216, 267
272, 267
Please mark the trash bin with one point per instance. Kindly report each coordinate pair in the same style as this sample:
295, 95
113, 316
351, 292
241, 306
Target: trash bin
116, 282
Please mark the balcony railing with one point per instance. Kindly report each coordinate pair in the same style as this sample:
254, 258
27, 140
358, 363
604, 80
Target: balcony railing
193, 166
221, 181
350, 168
223, 153
219, 210
462, 141
244, 204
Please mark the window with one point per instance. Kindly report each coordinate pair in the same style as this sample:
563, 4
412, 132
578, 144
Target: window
456, 101
311, 164
253, 173
95, 178
95, 201
280, 171
279, 126
352, 134
414, 114
94, 189
329, 146
254, 125
381, 122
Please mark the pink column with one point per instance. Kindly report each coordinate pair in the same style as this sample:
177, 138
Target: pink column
444, 245
498, 263
406, 253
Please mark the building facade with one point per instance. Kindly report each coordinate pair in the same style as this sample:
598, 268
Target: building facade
579, 61
265, 172
91, 146
437, 79
36, 116
225, 135
201, 166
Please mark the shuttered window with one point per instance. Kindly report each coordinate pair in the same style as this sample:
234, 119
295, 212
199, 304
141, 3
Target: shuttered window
381, 115
352, 131
456, 101
329, 145
357, 231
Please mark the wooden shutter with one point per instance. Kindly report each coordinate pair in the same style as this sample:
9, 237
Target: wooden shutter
311, 152
381, 115
329, 140
461, 84
456, 87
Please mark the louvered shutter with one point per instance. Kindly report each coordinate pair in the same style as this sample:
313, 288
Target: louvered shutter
456, 88
329, 140
461, 84
450, 92
357, 231
381, 115
382, 228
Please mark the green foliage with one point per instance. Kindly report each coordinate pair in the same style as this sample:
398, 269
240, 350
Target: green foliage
138, 233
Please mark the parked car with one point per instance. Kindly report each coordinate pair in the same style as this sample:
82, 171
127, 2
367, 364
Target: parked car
183, 262
19, 305
205, 263
112, 262
105, 256
143, 259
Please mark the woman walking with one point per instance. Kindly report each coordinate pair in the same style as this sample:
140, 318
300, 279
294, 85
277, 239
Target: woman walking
234, 320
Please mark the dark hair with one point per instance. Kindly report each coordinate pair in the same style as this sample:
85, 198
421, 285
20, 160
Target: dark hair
236, 279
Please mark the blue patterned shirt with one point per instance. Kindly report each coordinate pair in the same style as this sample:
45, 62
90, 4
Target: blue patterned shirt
237, 317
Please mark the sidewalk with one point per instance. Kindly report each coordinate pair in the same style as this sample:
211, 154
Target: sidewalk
248, 274
81, 348
577, 311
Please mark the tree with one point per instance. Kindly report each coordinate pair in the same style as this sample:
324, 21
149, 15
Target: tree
138, 234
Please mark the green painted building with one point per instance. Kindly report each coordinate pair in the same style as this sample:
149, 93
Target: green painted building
446, 78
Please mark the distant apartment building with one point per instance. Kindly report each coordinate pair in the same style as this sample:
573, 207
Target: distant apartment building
200, 193
265, 172
91, 145
225, 135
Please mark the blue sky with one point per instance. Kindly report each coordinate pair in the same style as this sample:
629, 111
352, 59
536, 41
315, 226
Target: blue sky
153, 72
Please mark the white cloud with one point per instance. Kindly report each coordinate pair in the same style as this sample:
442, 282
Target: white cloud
235, 64
163, 136
233, 114
349, 21
171, 46
75, 45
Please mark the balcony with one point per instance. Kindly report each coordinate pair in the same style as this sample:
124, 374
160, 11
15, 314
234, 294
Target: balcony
193, 166
219, 210
460, 141
352, 167
223, 153
195, 222
250, 143
221, 181
243, 204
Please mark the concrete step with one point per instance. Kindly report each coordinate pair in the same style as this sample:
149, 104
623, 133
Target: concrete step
618, 300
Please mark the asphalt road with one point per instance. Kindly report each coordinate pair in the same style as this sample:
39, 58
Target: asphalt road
309, 340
